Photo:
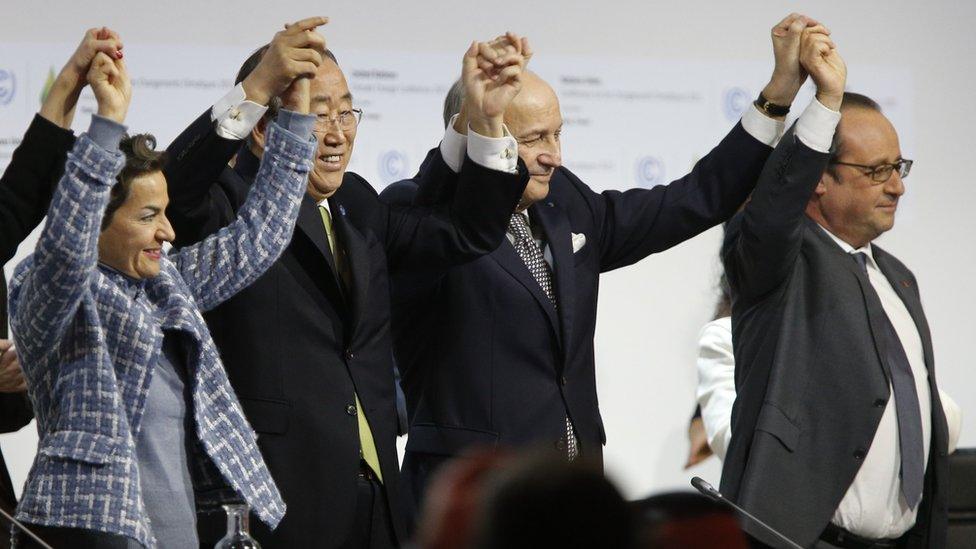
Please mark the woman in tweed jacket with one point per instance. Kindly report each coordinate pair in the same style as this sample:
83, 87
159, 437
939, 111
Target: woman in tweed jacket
116, 353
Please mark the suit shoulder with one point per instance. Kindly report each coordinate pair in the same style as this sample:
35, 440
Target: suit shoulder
359, 185
401, 193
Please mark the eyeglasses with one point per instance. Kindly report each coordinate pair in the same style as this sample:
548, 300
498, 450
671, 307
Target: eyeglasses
345, 120
882, 172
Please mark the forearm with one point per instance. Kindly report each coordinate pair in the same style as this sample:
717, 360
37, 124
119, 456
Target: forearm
29, 180
47, 289
224, 263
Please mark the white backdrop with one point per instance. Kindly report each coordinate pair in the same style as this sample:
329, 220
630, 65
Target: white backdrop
646, 89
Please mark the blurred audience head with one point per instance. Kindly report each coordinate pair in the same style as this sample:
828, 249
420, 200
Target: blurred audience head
544, 501
685, 520
454, 498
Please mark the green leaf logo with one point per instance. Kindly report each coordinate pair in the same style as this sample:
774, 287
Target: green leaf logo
47, 85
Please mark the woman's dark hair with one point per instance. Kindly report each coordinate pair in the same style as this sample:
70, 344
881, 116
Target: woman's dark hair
724, 306
141, 158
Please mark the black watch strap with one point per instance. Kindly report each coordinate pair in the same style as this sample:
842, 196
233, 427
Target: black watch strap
770, 108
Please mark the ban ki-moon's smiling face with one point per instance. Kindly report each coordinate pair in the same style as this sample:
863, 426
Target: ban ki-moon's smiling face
335, 129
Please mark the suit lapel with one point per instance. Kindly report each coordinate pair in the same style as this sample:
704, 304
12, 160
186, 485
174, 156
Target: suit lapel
903, 287
508, 258
310, 224
555, 224
357, 253
872, 304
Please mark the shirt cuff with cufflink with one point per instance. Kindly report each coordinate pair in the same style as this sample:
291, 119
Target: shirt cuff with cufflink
235, 115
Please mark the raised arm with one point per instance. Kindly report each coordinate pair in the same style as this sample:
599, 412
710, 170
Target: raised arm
639, 222
38, 162
198, 206
490, 182
48, 286
224, 263
762, 246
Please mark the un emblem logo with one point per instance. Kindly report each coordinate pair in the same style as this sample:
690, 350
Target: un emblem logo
393, 166
8, 86
736, 101
650, 172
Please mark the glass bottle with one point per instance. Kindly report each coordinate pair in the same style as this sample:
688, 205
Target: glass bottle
237, 536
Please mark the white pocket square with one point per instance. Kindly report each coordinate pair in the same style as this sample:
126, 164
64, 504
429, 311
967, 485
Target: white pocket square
579, 240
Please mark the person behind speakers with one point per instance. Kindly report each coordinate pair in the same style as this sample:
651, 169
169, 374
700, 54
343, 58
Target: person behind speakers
839, 438
137, 421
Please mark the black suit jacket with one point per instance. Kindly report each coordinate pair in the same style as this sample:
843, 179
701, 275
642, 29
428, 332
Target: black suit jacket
298, 347
491, 362
25, 193
810, 382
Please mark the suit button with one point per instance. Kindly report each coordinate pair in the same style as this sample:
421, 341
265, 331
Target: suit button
351, 410
349, 355
562, 380
880, 403
859, 454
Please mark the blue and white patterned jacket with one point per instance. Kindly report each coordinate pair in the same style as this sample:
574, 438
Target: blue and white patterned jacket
88, 349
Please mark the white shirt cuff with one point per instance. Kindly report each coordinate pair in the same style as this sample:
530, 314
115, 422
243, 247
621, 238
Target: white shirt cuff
765, 129
494, 153
453, 146
816, 126
235, 115
953, 416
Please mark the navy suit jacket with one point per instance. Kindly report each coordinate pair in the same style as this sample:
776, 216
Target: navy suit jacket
486, 358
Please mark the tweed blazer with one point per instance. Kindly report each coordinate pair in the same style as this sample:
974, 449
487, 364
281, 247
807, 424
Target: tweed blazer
88, 347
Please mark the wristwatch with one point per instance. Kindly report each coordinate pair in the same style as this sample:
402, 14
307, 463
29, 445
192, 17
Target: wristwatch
769, 108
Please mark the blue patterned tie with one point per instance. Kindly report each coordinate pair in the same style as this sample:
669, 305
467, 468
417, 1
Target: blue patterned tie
906, 406
528, 249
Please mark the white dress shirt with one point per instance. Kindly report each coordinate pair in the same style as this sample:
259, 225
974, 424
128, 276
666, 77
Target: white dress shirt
874, 506
716, 383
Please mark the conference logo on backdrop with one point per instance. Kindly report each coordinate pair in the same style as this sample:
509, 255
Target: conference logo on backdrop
393, 166
8, 86
735, 103
650, 172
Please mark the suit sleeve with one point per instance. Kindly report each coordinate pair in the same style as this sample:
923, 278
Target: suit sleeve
762, 245
29, 180
638, 222
15, 412
470, 224
198, 206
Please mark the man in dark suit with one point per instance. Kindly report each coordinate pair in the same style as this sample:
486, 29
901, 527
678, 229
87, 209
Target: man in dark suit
307, 346
25, 193
504, 353
839, 438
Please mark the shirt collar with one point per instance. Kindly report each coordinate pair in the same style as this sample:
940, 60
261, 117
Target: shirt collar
324, 203
848, 249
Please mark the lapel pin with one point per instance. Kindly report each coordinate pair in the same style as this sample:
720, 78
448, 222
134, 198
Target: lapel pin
906, 283
550, 204
342, 210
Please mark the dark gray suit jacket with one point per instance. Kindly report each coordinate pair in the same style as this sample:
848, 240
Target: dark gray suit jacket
811, 385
